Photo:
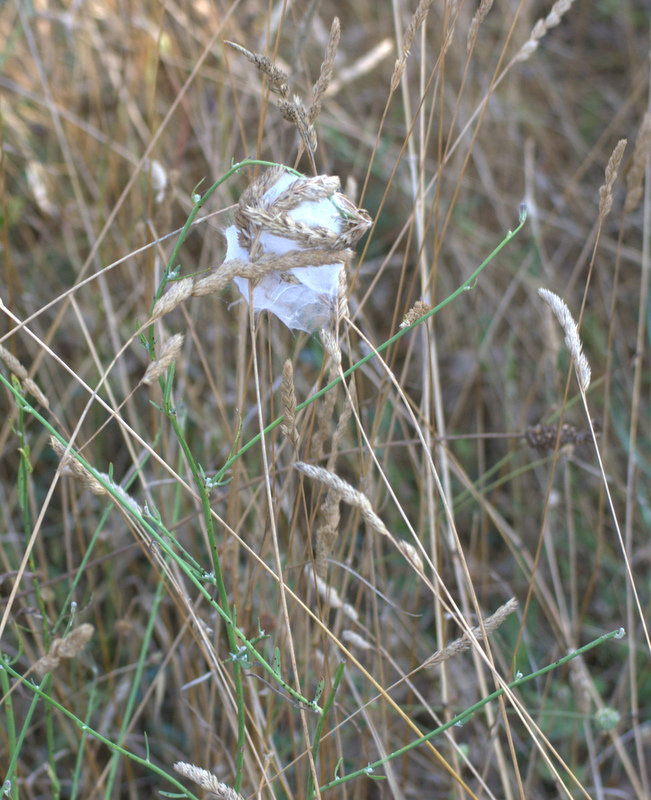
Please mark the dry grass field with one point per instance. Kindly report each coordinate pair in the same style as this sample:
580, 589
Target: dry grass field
355, 558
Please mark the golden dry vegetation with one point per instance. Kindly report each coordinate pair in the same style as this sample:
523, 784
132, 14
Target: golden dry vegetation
455, 511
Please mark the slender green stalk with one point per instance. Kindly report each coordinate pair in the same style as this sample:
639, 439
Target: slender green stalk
318, 733
464, 716
135, 688
465, 286
93, 701
24, 477
18, 744
245, 650
86, 729
8, 703
204, 496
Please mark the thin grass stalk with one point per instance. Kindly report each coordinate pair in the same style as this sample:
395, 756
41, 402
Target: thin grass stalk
135, 689
23, 478
274, 539
318, 731
641, 165
204, 497
41, 694
465, 286
464, 716
93, 702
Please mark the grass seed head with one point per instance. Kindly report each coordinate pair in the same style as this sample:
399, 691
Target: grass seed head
572, 338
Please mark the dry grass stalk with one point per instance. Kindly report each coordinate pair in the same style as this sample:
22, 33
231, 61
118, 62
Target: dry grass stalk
68, 647
325, 75
480, 15
207, 781
419, 16
288, 399
418, 310
572, 338
168, 354
74, 467
29, 386
217, 279
292, 109
606, 191
635, 176
464, 642
558, 10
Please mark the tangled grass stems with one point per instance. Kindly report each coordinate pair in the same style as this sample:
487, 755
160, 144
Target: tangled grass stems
471, 379
465, 715
465, 286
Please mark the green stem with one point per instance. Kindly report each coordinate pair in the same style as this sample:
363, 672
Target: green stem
135, 688
18, 745
465, 286
465, 715
223, 595
40, 694
318, 733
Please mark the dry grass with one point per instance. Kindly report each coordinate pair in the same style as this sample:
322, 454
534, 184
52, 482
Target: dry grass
390, 522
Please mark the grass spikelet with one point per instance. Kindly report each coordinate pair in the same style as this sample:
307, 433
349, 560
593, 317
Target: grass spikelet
480, 15
207, 781
342, 296
465, 642
635, 175
326, 534
606, 191
168, 354
572, 338
74, 467
325, 75
347, 493
355, 640
288, 399
558, 10
68, 647
292, 109
277, 79
217, 279
418, 310
418, 17
411, 554
29, 386
327, 409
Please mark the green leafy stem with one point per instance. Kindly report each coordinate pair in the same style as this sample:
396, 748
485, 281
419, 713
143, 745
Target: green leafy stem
464, 716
